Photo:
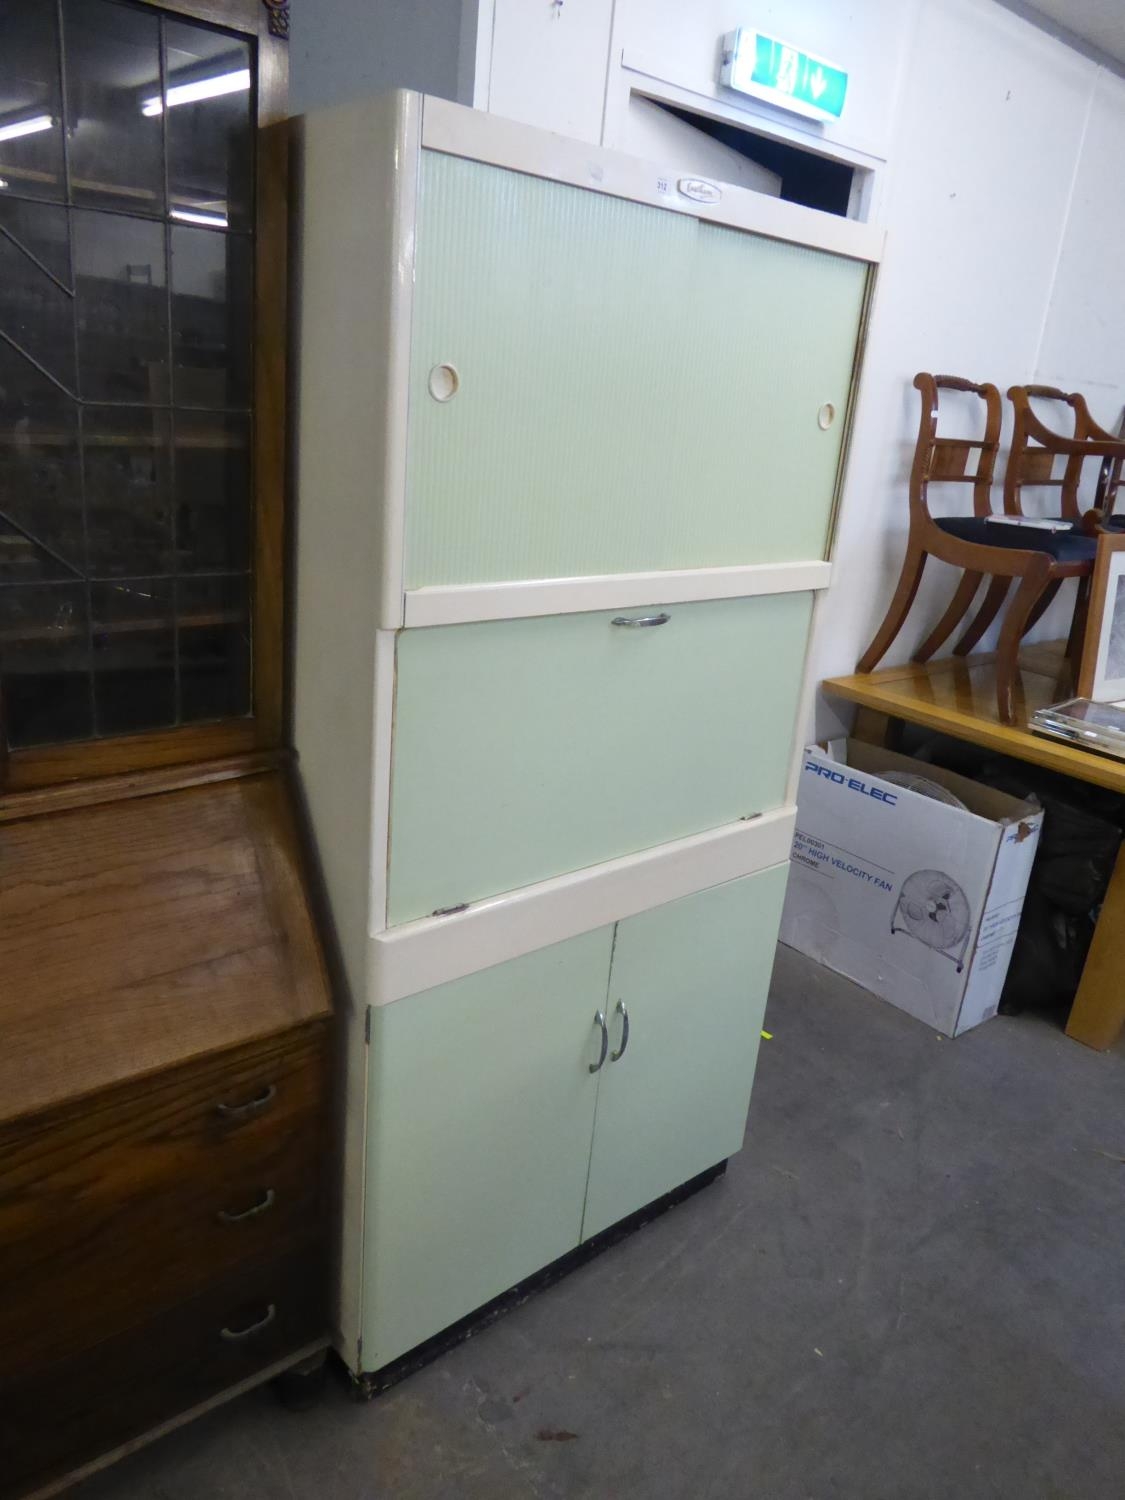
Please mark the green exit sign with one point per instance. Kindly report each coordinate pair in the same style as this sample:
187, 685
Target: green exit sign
766, 68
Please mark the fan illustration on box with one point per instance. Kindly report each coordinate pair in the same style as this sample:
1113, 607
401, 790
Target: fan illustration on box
933, 908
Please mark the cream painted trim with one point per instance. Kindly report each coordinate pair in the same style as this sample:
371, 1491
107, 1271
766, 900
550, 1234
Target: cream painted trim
482, 50
540, 153
383, 749
432, 950
801, 726
395, 314
456, 604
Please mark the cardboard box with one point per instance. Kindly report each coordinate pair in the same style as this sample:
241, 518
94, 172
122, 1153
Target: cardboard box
915, 899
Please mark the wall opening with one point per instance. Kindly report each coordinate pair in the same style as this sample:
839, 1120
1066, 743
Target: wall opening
804, 177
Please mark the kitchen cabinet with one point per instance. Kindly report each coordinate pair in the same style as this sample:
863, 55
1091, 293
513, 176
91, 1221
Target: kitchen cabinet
478, 1182
692, 979
538, 1138
573, 444
569, 454
526, 748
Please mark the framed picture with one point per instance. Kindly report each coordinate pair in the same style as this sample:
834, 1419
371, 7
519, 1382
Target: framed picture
1102, 676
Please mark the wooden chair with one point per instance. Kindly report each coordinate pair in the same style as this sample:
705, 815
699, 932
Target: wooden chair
1036, 558
1109, 482
1032, 465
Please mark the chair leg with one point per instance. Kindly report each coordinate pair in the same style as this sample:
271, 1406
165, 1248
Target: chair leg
908, 581
958, 608
1077, 637
1007, 652
1043, 604
990, 608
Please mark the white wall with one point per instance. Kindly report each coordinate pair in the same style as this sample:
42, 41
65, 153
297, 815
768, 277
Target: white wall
989, 208
995, 152
666, 40
573, 67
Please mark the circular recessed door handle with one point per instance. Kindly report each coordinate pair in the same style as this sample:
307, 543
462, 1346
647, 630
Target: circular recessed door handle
444, 382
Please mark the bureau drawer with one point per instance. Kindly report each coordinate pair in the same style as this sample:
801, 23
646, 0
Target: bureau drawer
115, 1209
528, 748
91, 1402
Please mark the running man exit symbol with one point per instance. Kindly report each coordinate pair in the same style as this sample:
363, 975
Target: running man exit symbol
769, 69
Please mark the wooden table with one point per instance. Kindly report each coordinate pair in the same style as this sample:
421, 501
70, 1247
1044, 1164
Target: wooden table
957, 697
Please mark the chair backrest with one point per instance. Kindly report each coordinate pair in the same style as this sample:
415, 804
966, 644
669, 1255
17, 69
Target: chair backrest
950, 460
1109, 477
1036, 448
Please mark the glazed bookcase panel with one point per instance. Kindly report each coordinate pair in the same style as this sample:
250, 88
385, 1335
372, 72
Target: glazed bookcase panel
574, 444
141, 330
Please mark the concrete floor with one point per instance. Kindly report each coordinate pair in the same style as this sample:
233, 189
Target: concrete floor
910, 1284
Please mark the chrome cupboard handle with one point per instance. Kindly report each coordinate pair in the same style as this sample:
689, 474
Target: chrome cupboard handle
640, 622
619, 1053
251, 1107
265, 1202
599, 1020
232, 1335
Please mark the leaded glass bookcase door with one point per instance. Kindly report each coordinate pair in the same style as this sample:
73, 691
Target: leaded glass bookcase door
140, 345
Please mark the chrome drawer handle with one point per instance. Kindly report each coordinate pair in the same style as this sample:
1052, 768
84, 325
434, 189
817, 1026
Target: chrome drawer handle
264, 1203
599, 1020
232, 1335
251, 1107
640, 622
617, 1055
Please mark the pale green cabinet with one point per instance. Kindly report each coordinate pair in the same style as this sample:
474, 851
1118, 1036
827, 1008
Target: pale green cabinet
480, 1113
525, 749
638, 389
494, 1148
692, 977
568, 456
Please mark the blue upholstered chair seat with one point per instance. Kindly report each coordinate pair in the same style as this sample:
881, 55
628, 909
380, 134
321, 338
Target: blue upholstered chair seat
1063, 546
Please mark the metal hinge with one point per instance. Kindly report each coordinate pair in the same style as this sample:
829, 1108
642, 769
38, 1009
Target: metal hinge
450, 911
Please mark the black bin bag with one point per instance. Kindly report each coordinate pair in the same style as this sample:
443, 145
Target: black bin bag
1082, 829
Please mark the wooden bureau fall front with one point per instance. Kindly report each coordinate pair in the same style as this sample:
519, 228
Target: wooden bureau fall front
164, 1012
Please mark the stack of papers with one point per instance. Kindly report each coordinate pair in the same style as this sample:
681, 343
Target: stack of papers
1079, 721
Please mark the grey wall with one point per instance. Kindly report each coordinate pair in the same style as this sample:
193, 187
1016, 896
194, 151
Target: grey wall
341, 50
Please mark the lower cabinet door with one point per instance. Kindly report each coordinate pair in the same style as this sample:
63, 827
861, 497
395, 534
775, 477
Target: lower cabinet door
480, 1115
692, 977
